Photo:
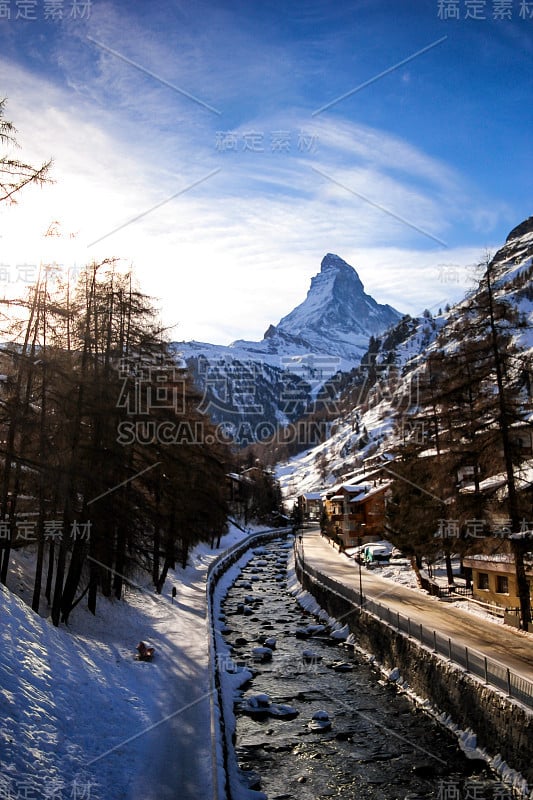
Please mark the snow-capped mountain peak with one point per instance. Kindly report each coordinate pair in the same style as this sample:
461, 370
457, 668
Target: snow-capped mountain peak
337, 316
327, 333
336, 319
380, 405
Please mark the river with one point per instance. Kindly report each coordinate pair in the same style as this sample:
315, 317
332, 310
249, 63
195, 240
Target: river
379, 743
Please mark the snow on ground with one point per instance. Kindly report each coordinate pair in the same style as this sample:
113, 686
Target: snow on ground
479, 611
81, 718
400, 571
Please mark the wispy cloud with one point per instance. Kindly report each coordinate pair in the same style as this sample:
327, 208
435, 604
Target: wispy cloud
156, 77
404, 220
131, 60
264, 220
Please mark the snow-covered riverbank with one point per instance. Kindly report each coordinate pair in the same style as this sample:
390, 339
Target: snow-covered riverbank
82, 718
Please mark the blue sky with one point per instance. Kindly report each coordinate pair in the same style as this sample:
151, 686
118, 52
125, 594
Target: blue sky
205, 144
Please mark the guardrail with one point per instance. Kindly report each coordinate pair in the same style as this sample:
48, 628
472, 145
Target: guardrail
491, 608
475, 663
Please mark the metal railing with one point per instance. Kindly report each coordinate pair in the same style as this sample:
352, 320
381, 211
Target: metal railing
475, 663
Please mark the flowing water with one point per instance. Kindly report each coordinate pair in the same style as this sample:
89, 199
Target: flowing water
380, 745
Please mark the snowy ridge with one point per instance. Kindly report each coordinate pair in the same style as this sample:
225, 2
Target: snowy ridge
337, 310
327, 333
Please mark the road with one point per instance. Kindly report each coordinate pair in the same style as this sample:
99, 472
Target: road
510, 647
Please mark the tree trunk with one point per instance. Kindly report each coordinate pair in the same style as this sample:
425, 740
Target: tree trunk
514, 514
36, 600
42, 472
50, 571
162, 578
72, 581
120, 562
18, 415
449, 570
60, 575
416, 569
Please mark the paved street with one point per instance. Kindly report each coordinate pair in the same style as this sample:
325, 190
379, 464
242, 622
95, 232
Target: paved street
504, 644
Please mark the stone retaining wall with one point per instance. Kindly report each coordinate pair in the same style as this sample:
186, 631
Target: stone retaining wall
501, 725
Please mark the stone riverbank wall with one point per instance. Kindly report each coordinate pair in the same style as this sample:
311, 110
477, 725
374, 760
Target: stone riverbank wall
502, 726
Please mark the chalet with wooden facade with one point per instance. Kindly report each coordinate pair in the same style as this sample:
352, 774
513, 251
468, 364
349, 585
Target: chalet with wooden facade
357, 510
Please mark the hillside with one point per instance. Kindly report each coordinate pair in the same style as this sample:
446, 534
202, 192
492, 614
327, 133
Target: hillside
82, 718
379, 400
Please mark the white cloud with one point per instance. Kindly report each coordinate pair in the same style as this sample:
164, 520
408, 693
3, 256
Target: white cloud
235, 253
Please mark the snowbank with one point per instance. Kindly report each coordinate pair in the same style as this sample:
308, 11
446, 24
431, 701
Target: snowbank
82, 718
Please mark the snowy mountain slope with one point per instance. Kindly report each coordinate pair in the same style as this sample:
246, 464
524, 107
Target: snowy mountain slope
56, 691
374, 417
81, 718
336, 311
336, 318
327, 332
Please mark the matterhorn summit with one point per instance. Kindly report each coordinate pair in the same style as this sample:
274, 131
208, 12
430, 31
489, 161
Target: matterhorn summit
327, 333
337, 316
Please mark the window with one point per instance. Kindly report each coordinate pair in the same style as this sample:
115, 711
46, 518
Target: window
502, 584
482, 580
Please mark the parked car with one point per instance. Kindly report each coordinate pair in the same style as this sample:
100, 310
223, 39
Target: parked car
397, 555
378, 552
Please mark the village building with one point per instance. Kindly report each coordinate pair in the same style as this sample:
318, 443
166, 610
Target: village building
310, 505
356, 510
494, 579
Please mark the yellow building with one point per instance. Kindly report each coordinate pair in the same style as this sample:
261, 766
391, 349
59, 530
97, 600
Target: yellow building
494, 579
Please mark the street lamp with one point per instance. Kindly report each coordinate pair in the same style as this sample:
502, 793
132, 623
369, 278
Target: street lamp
359, 543
360, 579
